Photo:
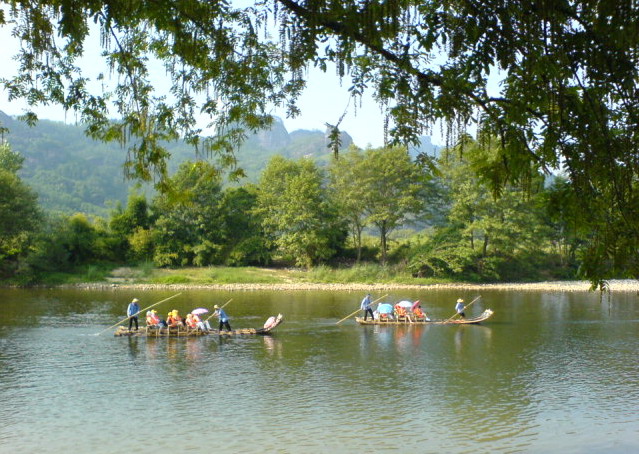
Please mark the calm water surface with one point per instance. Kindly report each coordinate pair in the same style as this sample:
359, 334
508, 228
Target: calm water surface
550, 372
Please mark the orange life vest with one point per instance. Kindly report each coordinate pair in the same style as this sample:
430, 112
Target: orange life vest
152, 319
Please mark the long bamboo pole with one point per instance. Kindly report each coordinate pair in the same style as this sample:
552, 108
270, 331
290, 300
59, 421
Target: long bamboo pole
138, 312
348, 316
465, 307
223, 306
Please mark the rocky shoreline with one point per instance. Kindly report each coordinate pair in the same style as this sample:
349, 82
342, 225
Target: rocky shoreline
626, 285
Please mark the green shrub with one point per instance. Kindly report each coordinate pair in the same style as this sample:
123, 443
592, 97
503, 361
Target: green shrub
173, 279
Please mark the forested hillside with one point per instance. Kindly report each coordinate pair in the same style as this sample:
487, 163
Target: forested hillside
72, 173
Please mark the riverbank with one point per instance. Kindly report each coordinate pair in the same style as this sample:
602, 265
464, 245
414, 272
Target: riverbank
626, 285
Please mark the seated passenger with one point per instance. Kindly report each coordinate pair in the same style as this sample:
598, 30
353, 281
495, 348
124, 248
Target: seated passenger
384, 311
190, 321
174, 319
400, 311
152, 319
161, 322
202, 325
419, 313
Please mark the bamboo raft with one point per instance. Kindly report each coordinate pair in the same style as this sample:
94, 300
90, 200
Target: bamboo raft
181, 331
421, 321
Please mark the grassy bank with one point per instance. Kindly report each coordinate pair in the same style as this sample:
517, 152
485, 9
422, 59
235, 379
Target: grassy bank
145, 274
363, 274
363, 277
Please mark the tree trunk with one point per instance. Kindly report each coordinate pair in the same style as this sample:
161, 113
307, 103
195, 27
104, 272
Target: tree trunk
382, 231
358, 239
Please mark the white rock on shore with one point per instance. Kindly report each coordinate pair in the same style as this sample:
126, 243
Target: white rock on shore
626, 285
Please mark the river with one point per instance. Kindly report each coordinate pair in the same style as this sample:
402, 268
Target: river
550, 372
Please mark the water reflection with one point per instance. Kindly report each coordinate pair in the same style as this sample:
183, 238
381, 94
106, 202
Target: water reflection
134, 349
153, 348
273, 346
471, 336
530, 380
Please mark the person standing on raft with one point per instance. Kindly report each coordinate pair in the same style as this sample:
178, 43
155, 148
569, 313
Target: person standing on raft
366, 306
132, 312
224, 319
459, 307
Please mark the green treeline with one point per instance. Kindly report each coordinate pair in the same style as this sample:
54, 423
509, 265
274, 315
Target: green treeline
427, 218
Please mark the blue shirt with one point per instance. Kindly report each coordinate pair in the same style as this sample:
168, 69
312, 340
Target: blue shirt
459, 307
222, 315
133, 309
366, 303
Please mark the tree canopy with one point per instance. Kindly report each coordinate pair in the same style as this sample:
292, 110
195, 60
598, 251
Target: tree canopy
20, 216
568, 70
296, 212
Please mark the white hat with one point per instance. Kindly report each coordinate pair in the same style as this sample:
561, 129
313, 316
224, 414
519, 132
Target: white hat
135, 300
460, 300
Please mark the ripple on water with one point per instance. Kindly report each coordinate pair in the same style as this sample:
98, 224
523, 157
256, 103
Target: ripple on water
545, 386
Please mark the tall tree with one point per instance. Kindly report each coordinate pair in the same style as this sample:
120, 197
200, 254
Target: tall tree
130, 226
567, 220
10, 161
393, 190
569, 73
296, 212
348, 190
493, 229
20, 216
187, 229
241, 227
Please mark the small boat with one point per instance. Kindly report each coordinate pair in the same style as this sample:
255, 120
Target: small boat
408, 320
181, 331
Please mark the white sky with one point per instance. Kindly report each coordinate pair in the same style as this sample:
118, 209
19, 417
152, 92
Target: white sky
324, 100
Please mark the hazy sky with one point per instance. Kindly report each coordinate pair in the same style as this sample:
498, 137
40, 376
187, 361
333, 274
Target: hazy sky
324, 101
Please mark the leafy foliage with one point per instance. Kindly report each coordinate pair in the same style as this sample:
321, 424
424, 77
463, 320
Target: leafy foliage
296, 212
568, 71
486, 237
241, 225
20, 215
393, 190
348, 190
186, 230
73, 173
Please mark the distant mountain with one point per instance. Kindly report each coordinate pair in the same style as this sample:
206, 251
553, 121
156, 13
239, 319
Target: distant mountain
426, 147
70, 172
73, 173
